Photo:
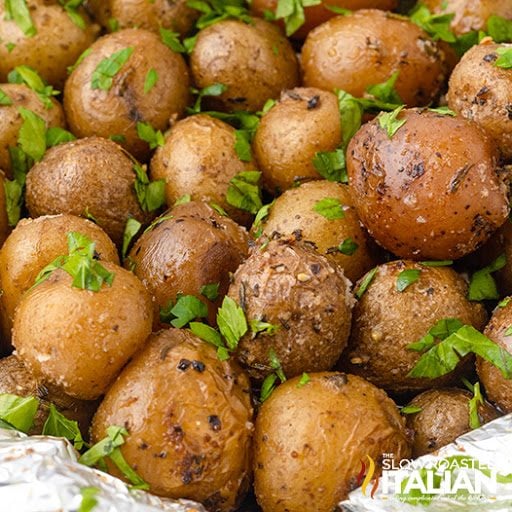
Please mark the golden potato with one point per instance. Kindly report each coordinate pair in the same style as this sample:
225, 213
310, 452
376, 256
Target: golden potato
310, 440
30, 247
255, 61
304, 121
4, 221
78, 340
188, 416
104, 105
423, 194
56, 44
365, 48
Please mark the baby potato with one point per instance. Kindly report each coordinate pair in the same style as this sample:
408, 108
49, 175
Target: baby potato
199, 159
443, 417
386, 321
188, 416
56, 44
11, 120
304, 298
255, 61
97, 103
152, 15
91, 176
365, 48
4, 221
482, 92
30, 247
422, 194
78, 340
310, 440
187, 248
304, 121
342, 241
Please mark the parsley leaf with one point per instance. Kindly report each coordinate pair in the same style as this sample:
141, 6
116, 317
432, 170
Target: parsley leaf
441, 330
80, 59
211, 90
147, 133
32, 134
500, 29
214, 11
351, 115
17, 10
151, 80
474, 403
444, 110
330, 208
410, 409
186, 309
89, 500
262, 214
29, 77
243, 145
172, 40
348, 247
133, 226
231, 321
482, 285
18, 411
437, 263
385, 92
366, 282
260, 327
4, 99
269, 384
292, 12
388, 121
56, 135
331, 165
212, 336
210, 291
150, 194
505, 58
107, 69
305, 378
71, 7
58, 425
437, 26
244, 191
406, 278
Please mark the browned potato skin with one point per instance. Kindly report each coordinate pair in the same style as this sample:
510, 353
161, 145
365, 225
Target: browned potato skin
15, 379
173, 441
308, 298
117, 111
444, 416
199, 159
92, 176
482, 92
318, 14
497, 388
422, 195
175, 15
189, 247
30, 247
5, 229
78, 340
303, 122
365, 48
293, 212
256, 62
310, 440
57, 44
386, 321
11, 120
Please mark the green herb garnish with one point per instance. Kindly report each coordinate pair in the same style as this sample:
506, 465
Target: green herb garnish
211, 90
406, 278
107, 69
186, 309
482, 285
132, 227
292, 12
19, 412
57, 425
348, 247
210, 291
330, 208
305, 378
244, 191
389, 121
410, 409
366, 281
155, 138
18, 11
150, 80
89, 500
150, 194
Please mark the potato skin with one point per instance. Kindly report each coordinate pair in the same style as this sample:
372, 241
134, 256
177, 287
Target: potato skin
189, 420
308, 298
422, 195
91, 175
57, 44
310, 440
11, 120
355, 51
30, 247
117, 111
199, 159
256, 62
189, 247
78, 340
5, 229
386, 321
444, 416
303, 122
15, 379
497, 388
482, 92
176, 15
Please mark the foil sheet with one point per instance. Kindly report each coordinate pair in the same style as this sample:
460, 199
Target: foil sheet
41, 474
490, 445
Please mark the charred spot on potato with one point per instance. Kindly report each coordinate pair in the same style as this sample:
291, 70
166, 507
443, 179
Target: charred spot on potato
183, 365
215, 423
198, 366
313, 102
490, 57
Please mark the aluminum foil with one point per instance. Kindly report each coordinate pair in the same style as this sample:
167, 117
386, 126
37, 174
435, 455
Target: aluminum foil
41, 474
490, 445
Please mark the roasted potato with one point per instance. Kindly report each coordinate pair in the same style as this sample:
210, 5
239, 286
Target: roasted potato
15, 379
482, 92
30, 247
187, 248
4, 220
365, 48
152, 15
306, 300
78, 340
310, 440
199, 159
304, 122
188, 416
343, 241
100, 104
443, 417
255, 61
11, 120
57, 41
387, 320
88, 177
422, 194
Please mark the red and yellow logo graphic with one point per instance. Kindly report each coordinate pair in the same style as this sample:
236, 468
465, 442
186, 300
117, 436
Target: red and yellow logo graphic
365, 476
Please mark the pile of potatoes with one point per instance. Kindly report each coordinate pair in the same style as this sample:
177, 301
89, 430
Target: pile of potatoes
223, 226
